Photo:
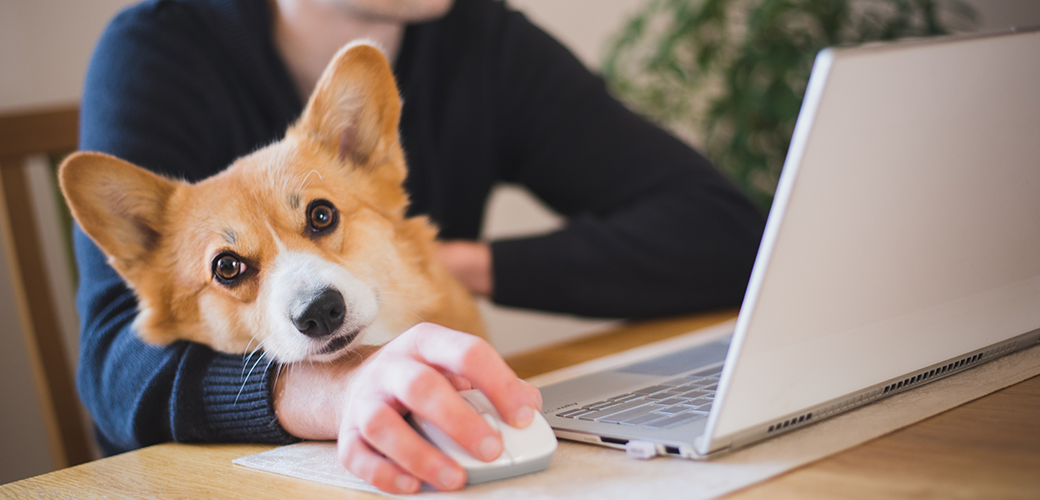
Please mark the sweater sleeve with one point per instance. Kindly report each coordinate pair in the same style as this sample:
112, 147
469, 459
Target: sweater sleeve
144, 101
652, 227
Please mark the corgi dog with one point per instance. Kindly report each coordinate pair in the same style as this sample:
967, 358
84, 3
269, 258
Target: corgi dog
301, 249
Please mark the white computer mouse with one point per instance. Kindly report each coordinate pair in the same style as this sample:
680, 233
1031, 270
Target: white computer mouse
524, 450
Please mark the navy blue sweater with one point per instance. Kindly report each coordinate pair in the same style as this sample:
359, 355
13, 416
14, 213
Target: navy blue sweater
183, 87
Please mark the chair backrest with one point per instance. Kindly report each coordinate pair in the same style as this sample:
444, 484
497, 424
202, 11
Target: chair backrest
51, 132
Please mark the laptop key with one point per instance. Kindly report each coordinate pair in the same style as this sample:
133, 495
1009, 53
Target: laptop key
652, 389
669, 402
645, 419
671, 410
681, 418
573, 412
627, 414
598, 414
658, 396
694, 403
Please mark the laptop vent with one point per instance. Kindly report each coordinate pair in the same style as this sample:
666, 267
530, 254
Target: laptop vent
949, 368
870, 396
801, 419
848, 403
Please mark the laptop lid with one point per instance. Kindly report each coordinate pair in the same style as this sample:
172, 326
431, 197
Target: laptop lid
905, 229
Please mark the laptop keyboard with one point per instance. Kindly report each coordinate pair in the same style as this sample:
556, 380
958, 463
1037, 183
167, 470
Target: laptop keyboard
666, 404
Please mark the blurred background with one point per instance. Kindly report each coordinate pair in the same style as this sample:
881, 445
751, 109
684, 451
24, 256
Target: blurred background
45, 46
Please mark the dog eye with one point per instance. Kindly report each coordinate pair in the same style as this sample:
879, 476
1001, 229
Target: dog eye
227, 267
321, 216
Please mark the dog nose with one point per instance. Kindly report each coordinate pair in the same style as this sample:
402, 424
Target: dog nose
323, 316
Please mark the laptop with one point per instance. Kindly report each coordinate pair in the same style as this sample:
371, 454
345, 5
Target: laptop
903, 246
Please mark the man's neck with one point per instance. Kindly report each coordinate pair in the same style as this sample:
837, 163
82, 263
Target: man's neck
307, 33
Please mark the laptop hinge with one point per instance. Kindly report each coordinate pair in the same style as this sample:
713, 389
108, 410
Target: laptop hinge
720, 447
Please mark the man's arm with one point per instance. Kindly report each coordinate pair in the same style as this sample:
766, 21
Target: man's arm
145, 101
653, 228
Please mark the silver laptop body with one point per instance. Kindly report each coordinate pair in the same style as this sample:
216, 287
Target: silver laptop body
903, 246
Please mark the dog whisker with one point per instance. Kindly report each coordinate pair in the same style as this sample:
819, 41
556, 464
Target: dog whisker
246, 378
268, 367
361, 359
403, 308
259, 347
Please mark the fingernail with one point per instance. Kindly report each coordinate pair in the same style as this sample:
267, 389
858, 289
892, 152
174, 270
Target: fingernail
450, 477
407, 483
490, 448
524, 416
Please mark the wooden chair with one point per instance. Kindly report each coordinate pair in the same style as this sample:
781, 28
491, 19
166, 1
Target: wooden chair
52, 132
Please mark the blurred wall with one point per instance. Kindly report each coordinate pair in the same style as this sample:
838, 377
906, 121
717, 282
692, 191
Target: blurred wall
44, 49
45, 46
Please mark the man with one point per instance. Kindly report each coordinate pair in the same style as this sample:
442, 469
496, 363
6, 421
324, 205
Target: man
185, 86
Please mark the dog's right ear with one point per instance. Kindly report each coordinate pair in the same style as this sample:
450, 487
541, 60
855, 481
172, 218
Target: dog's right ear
119, 205
354, 110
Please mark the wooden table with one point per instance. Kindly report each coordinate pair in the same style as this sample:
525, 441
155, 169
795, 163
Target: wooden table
989, 448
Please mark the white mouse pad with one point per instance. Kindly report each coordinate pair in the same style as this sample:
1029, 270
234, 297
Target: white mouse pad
580, 471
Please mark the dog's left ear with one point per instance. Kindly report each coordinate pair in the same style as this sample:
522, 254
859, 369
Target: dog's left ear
354, 110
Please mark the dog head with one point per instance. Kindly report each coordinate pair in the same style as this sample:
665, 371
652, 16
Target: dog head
300, 248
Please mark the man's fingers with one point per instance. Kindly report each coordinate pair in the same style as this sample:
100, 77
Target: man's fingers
384, 430
426, 392
534, 393
360, 459
459, 382
422, 371
474, 359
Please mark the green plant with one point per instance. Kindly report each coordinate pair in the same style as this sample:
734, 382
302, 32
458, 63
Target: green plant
730, 74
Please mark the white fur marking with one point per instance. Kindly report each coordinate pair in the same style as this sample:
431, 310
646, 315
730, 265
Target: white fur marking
296, 279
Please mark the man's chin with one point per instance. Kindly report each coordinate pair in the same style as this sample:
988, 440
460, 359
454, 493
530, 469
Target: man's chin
396, 11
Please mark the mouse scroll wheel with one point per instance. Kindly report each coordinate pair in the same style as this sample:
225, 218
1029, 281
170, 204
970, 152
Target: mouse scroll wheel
492, 421
479, 401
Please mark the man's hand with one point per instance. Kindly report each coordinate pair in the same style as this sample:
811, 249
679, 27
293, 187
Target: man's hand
361, 401
470, 263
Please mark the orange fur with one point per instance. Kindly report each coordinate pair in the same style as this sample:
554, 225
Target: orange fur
161, 235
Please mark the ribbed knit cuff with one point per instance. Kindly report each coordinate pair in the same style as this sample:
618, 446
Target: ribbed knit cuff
238, 403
